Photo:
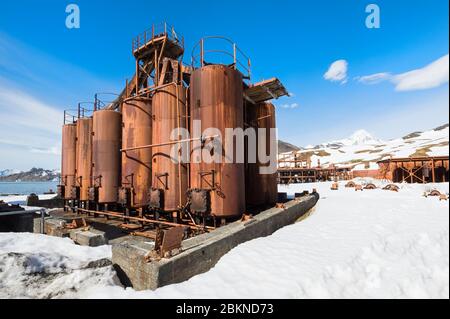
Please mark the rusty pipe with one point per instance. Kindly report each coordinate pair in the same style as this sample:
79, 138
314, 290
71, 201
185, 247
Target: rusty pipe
140, 219
169, 143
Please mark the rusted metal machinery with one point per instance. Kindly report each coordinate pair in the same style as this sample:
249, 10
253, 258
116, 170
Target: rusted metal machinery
84, 157
106, 157
217, 101
170, 176
69, 161
129, 152
136, 164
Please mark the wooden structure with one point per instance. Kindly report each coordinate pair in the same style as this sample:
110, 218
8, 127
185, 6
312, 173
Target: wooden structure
296, 168
429, 169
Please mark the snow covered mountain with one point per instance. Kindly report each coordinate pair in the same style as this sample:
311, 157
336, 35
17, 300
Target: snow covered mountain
8, 172
33, 175
362, 151
360, 137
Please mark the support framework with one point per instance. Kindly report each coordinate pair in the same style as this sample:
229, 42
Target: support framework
432, 169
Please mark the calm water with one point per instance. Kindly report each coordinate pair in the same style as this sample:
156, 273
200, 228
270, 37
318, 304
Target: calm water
26, 188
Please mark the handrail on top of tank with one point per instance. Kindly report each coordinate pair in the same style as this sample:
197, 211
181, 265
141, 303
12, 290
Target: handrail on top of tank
101, 103
236, 61
157, 30
70, 118
82, 111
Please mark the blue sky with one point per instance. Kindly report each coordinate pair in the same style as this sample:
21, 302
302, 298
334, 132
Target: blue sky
45, 67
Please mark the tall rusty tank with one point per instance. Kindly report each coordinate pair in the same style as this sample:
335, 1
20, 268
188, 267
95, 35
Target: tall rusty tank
69, 159
136, 164
217, 100
267, 120
261, 189
169, 113
84, 156
253, 180
106, 154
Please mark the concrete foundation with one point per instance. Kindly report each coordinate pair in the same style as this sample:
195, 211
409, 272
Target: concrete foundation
90, 238
100, 231
201, 253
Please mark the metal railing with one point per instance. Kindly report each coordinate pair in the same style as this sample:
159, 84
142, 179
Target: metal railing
103, 100
156, 31
238, 59
72, 115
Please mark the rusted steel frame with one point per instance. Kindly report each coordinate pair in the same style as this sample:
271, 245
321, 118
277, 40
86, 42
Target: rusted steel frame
150, 90
433, 174
411, 173
139, 219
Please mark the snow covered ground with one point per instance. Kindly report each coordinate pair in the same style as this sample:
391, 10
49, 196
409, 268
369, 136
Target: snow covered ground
370, 244
21, 199
38, 266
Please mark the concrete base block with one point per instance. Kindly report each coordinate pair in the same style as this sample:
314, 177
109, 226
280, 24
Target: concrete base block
55, 227
201, 253
89, 238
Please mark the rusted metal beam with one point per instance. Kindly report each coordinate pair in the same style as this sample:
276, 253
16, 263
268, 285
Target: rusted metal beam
141, 219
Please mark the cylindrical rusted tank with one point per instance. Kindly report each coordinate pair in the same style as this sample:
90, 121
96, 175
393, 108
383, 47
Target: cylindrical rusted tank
84, 156
136, 164
169, 175
68, 165
217, 100
267, 120
253, 180
106, 154
261, 189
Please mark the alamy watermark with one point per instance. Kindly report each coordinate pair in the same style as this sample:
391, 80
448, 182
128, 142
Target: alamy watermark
229, 146
373, 19
73, 17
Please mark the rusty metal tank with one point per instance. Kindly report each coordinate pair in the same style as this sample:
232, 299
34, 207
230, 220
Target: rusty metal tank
217, 100
68, 163
253, 180
267, 120
169, 174
106, 154
84, 156
261, 189
136, 164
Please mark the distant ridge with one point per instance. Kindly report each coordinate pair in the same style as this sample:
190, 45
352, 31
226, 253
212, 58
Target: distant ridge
33, 175
284, 147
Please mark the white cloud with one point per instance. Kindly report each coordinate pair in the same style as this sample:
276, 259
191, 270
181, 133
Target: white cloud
433, 75
337, 72
374, 78
52, 150
34, 90
290, 106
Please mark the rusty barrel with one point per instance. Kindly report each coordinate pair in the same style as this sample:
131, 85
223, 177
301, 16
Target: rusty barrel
217, 101
136, 164
170, 174
106, 154
69, 159
261, 187
84, 156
